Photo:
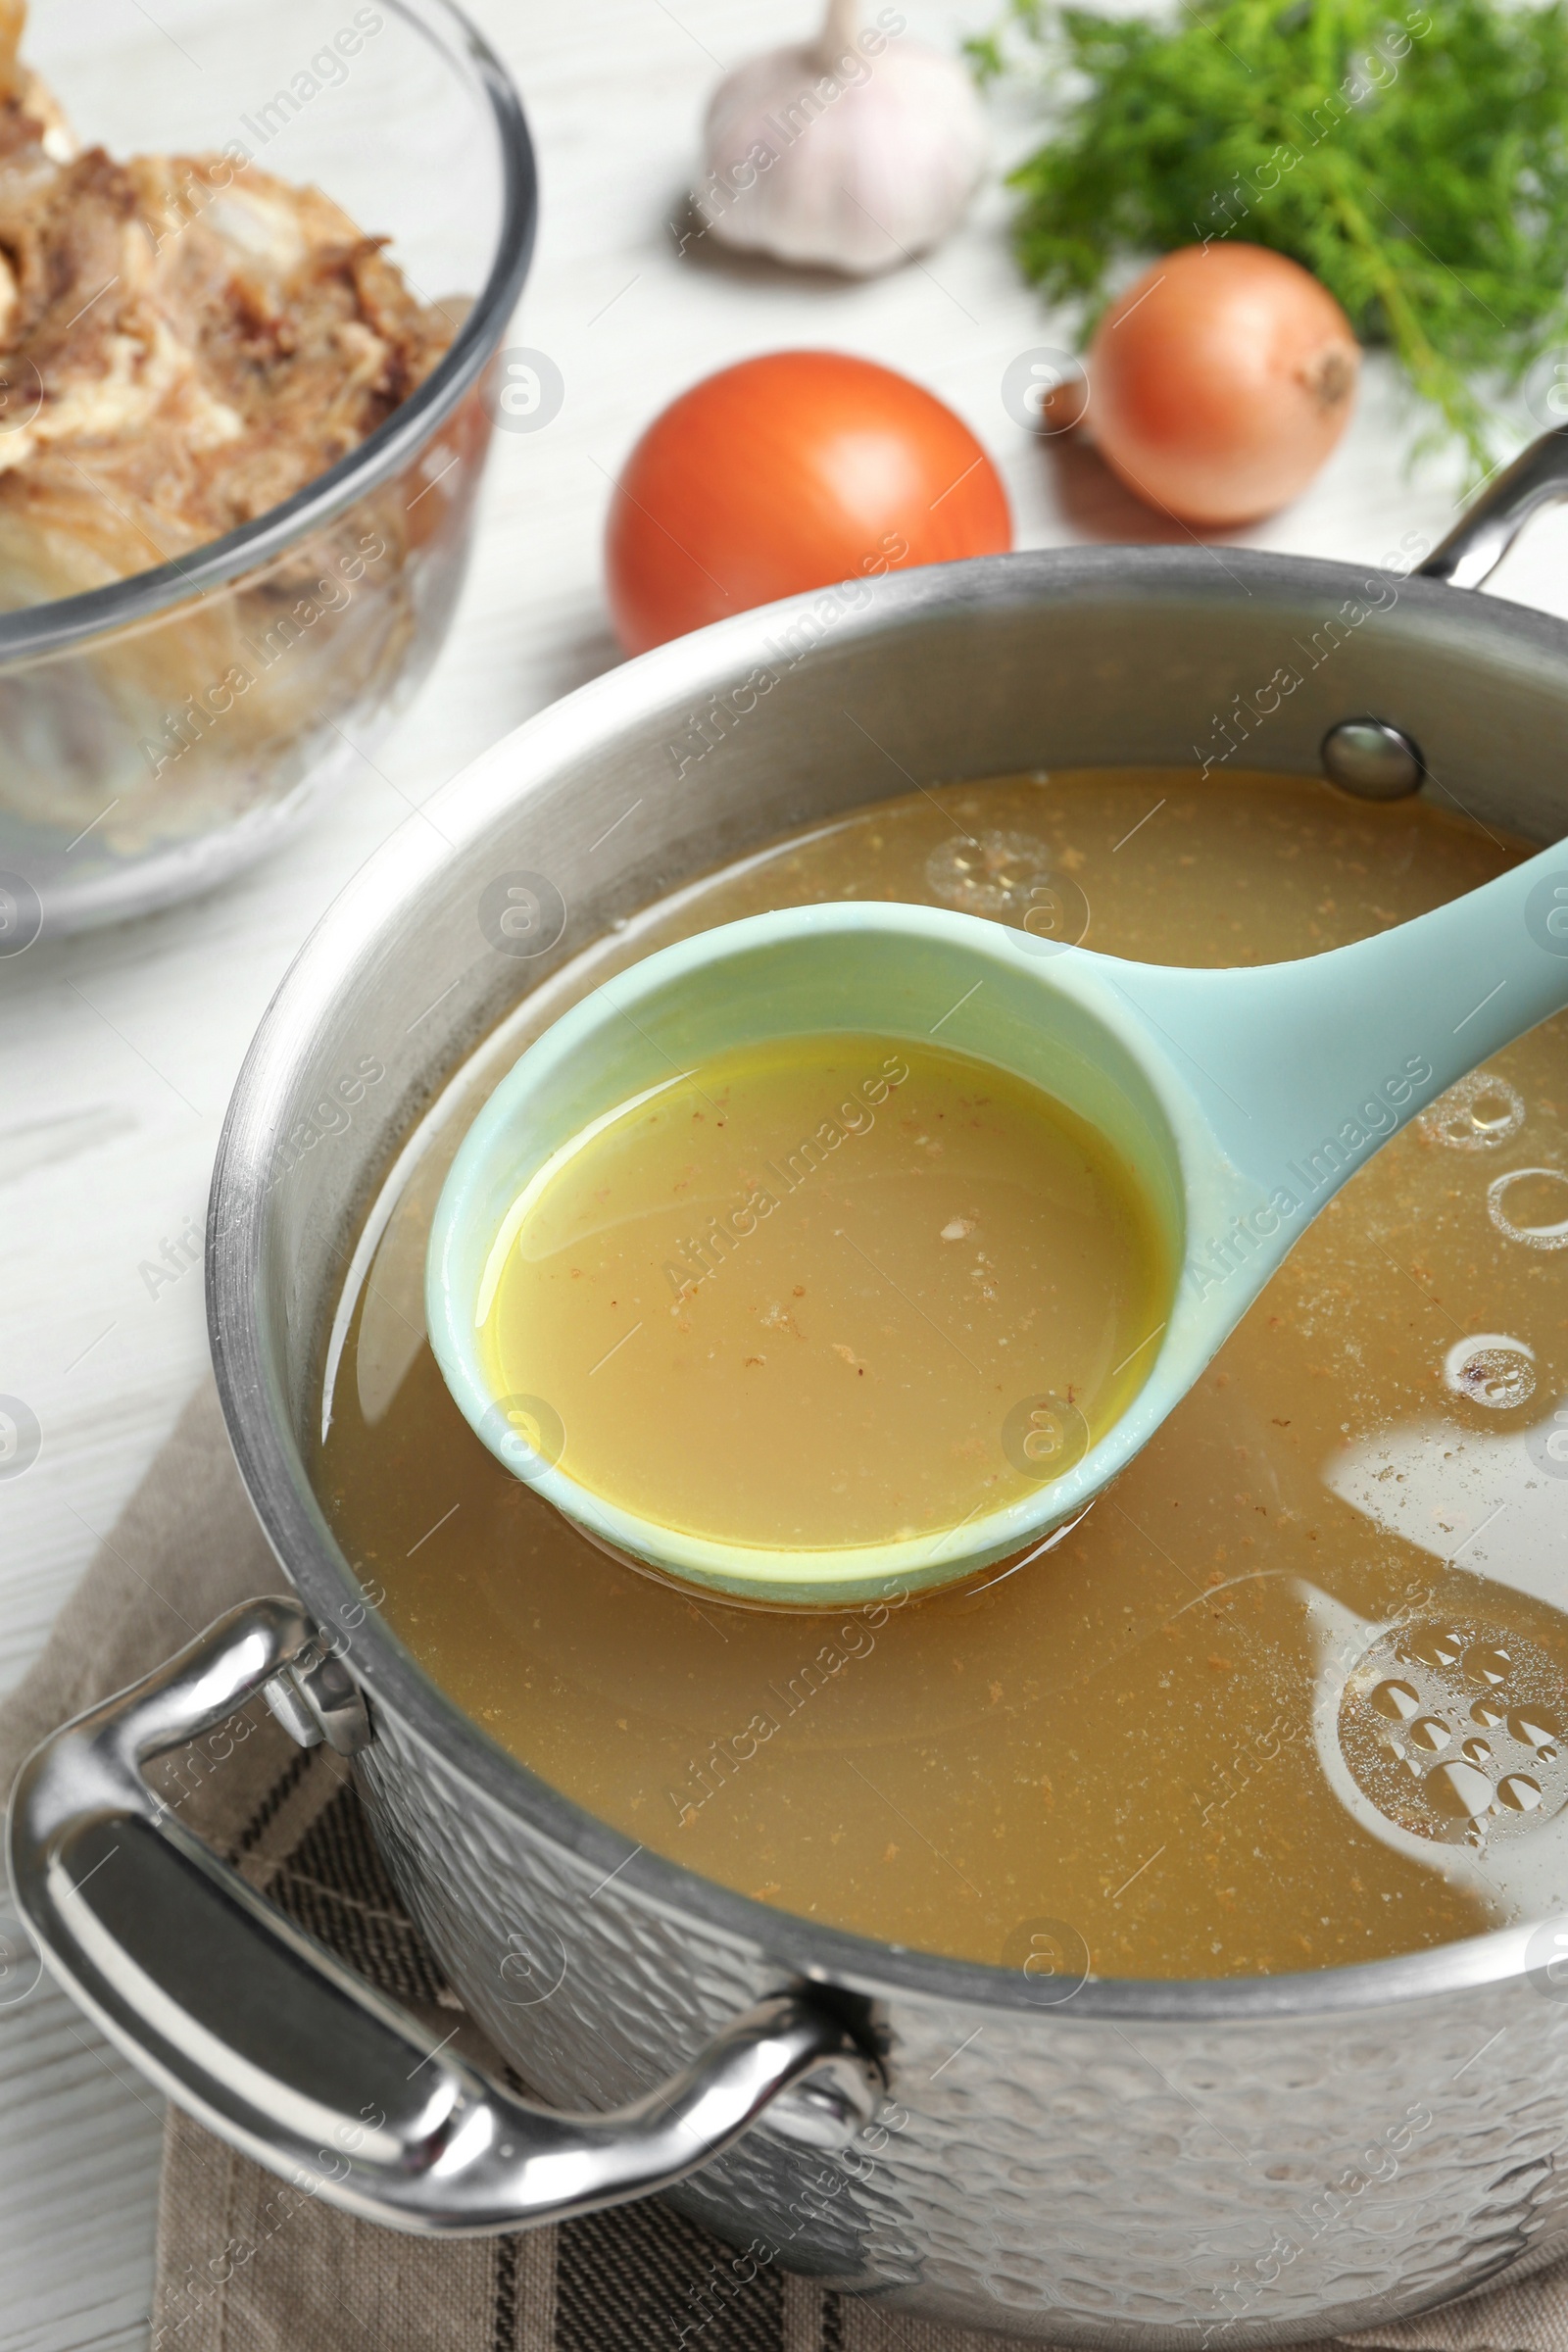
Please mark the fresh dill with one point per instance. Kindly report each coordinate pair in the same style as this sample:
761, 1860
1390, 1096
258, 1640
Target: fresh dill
1417, 162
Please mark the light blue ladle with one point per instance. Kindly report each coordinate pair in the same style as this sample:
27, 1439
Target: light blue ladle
1243, 1099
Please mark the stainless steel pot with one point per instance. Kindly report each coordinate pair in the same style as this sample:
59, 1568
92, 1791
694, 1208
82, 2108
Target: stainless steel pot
1138, 2164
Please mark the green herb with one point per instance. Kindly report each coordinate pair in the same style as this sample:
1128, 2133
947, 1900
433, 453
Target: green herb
1417, 164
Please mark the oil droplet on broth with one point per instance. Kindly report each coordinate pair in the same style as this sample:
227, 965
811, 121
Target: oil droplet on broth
1458, 1789
1431, 1646
1397, 1733
793, 1298
1535, 1728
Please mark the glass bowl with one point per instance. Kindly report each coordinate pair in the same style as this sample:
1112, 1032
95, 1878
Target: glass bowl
158, 733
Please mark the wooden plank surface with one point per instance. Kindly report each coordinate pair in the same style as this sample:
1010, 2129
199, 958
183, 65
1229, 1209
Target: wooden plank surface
117, 1050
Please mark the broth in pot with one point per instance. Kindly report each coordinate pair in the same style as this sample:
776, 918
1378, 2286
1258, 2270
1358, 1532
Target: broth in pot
1293, 1694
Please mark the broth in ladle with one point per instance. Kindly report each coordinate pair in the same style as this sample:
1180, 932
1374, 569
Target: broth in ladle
791, 1296
1226, 1726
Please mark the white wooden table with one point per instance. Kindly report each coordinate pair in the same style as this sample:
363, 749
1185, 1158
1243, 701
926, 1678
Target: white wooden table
117, 1050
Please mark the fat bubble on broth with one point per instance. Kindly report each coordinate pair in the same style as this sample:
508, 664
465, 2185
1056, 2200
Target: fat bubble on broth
1289, 1697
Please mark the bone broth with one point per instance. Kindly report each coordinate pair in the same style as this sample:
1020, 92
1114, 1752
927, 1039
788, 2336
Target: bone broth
794, 1298
1293, 1693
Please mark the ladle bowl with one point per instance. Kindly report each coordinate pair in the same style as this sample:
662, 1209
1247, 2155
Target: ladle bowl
1240, 1099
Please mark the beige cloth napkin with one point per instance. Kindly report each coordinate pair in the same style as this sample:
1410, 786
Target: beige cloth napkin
247, 2264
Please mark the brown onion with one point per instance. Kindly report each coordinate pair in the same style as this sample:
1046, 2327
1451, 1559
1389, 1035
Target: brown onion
1220, 382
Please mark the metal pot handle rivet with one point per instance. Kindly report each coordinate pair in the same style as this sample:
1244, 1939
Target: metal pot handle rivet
1375, 760
1372, 759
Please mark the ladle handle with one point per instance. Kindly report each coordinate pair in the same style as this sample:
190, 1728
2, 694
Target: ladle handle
262, 2034
1304, 1066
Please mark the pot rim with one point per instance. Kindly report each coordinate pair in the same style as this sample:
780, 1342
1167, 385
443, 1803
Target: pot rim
275, 1480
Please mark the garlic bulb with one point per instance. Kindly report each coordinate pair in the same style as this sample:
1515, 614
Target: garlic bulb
853, 152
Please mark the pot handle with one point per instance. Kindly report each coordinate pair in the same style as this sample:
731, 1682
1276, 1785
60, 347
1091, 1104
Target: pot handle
261, 2032
1476, 545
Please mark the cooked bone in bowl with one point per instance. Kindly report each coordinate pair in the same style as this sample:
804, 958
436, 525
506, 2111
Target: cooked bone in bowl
189, 343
